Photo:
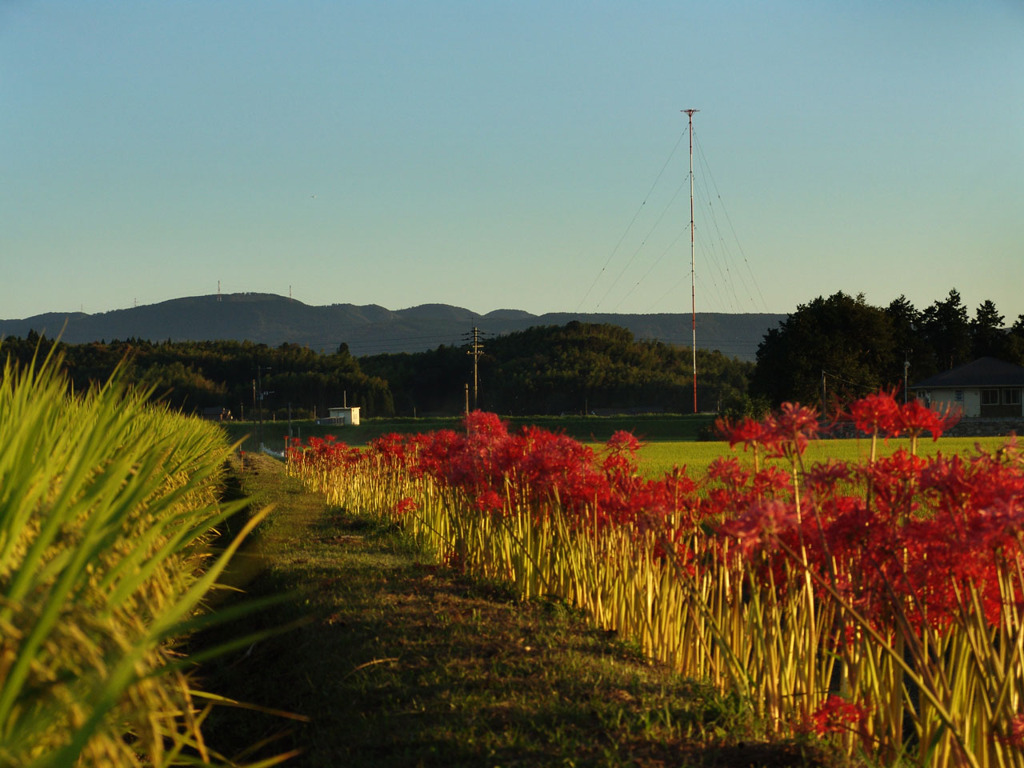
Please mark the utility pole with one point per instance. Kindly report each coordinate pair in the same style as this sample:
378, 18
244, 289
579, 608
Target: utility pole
259, 408
258, 395
906, 374
256, 418
475, 349
693, 271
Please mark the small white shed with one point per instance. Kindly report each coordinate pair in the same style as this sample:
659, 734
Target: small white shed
347, 415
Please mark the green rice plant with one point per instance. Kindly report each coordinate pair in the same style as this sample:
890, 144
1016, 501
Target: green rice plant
108, 509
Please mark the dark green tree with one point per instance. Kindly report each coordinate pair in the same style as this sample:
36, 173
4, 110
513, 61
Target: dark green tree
946, 330
1016, 335
833, 349
916, 356
191, 376
989, 337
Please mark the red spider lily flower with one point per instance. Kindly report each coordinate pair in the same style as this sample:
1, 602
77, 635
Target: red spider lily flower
950, 477
791, 429
772, 480
680, 493
761, 523
489, 502
847, 524
389, 449
620, 460
403, 507
895, 481
747, 431
825, 478
485, 424
837, 715
728, 471
435, 454
877, 414
623, 442
915, 418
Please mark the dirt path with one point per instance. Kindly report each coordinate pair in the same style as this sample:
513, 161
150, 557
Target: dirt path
400, 663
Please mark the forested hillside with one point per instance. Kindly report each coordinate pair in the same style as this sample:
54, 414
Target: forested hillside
575, 368
193, 376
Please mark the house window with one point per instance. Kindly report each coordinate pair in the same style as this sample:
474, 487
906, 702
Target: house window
1011, 397
990, 397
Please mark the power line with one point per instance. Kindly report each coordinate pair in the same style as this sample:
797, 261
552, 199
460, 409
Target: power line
642, 245
476, 349
726, 276
631, 222
725, 211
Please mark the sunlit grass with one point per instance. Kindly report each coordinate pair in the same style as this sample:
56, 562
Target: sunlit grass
657, 458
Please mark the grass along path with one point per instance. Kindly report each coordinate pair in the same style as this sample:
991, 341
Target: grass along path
402, 663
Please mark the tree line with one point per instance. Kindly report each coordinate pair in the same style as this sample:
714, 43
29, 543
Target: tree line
840, 347
576, 368
240, 377
833, 348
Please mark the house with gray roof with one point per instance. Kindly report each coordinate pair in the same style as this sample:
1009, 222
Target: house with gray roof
984, 388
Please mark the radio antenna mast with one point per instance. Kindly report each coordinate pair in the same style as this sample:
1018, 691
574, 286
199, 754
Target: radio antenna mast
693, 281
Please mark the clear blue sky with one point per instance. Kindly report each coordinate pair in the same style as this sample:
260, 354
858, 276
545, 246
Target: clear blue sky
527, 155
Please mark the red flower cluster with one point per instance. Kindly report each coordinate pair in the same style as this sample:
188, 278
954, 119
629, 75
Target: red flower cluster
925, 534
899, 533
321, 452
837, 715
880, 414
783, 434
907, 544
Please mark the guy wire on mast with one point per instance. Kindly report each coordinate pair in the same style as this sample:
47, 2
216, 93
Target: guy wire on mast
693, 273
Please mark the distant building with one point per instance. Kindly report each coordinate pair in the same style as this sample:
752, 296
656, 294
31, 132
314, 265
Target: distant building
984, 388
216, 414
347, 415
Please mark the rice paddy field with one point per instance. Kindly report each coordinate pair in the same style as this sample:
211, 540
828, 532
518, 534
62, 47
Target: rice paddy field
657, 458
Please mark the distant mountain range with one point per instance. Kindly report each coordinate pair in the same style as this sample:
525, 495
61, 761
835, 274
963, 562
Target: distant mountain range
370, 329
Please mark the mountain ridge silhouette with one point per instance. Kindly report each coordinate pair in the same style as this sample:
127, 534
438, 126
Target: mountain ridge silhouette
369, 329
